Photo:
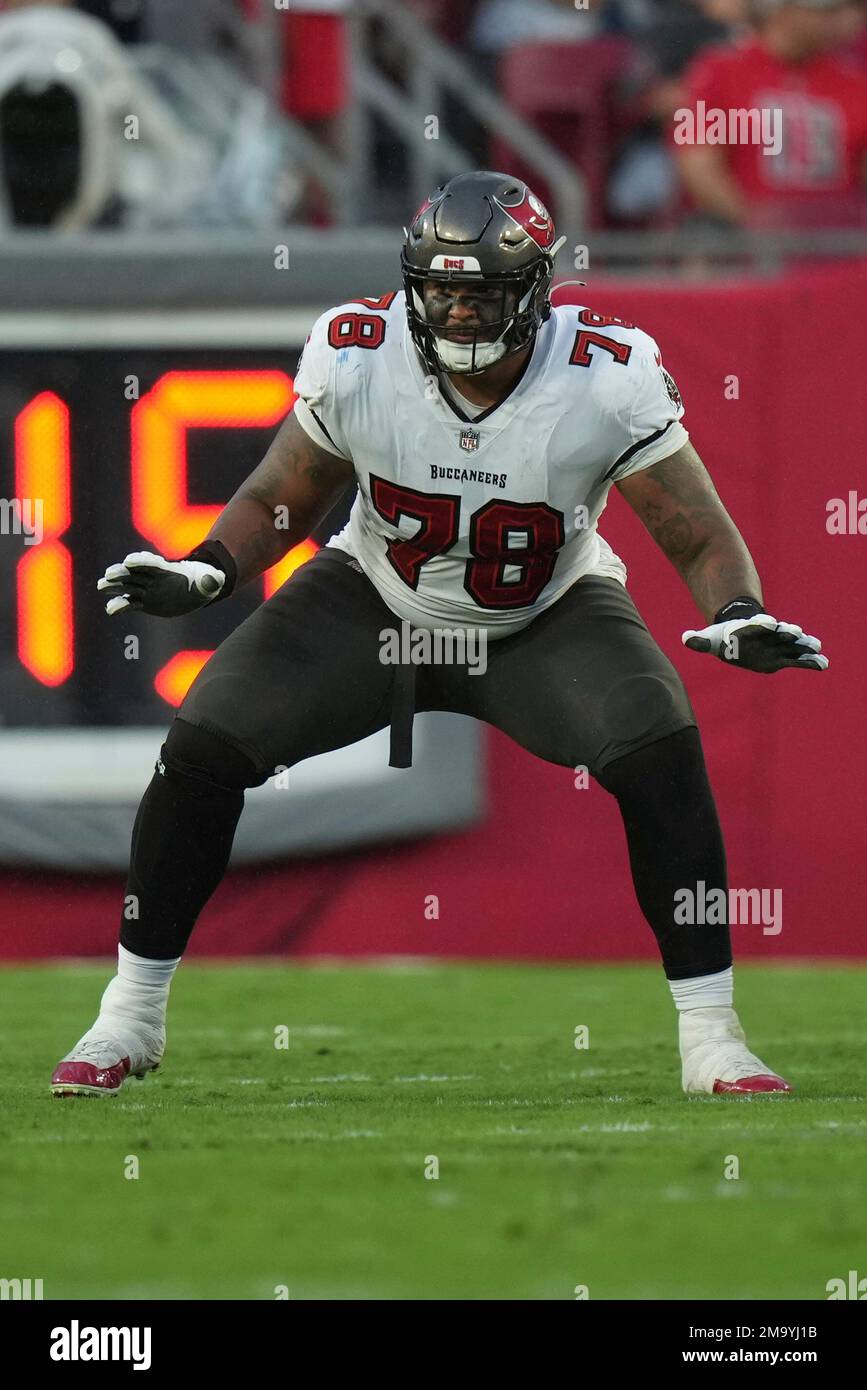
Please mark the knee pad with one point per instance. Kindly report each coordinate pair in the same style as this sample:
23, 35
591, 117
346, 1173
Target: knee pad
206, 760
640, 704
671, 763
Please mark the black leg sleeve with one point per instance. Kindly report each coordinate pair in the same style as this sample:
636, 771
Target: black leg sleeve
182, 839
675, 841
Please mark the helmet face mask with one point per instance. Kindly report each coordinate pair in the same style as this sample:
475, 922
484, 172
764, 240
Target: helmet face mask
471, 344
466, 236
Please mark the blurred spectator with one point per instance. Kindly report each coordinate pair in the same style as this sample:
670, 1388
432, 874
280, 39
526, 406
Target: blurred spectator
818, 174
314, 82
452, 19
681, 28
607, 129
502, 24
853, 23
315, 60
644, 182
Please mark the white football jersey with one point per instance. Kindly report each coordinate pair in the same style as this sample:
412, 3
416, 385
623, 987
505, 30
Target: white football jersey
482, 519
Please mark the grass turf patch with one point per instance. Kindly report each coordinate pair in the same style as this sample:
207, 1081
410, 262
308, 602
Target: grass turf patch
304, 1166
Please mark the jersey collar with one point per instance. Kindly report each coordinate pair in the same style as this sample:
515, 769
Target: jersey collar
534, 358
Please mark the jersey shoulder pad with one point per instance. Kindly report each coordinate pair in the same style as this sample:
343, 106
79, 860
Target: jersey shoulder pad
343, 342
358, 323
591, 330
618, 356
634, 394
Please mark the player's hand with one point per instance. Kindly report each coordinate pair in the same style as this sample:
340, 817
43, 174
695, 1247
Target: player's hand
760, 643
166, 588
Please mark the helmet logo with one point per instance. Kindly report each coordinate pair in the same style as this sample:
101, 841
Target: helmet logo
534, 218
428, 203
442, 262
423, 209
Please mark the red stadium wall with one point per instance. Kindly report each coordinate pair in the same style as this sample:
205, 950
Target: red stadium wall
546, 875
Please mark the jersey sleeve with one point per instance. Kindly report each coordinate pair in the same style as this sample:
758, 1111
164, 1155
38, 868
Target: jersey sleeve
317, 408
652, 414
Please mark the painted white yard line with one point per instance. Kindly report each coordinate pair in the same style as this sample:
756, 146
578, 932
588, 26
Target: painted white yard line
470, 1076
331, 1080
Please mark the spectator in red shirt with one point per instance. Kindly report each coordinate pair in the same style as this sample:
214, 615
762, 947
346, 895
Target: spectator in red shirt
814, 123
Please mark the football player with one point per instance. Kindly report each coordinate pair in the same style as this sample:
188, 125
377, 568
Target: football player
484, 430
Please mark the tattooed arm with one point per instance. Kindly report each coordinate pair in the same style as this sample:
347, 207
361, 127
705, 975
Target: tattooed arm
295, 474
679, 505
248, 536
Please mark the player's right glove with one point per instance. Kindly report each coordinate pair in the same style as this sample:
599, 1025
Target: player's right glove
149, 583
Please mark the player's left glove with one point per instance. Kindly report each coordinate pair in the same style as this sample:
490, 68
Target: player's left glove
756, 640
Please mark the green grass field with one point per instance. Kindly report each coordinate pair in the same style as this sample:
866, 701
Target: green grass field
305, 1166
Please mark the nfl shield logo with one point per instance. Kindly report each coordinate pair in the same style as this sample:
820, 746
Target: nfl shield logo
469, 440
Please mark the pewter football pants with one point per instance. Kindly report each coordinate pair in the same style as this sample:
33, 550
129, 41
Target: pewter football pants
584, 684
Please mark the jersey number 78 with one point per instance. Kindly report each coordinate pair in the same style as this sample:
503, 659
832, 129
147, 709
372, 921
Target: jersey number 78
492, 529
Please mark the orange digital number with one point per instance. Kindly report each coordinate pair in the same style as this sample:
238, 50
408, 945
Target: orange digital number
161, 511
42, 481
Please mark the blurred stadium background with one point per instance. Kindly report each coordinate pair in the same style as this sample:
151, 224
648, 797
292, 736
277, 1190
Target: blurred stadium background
184, 189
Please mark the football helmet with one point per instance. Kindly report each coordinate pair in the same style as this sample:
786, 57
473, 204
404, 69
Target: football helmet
485, 229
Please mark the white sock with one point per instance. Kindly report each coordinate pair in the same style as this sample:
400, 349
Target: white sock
704, 991
139, 992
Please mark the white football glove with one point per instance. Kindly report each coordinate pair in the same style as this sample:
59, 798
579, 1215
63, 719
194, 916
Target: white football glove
760, 643
166, 588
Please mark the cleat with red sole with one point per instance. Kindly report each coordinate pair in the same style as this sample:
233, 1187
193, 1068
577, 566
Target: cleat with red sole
85, 1079
715, 1057
98, 1065
750, 1085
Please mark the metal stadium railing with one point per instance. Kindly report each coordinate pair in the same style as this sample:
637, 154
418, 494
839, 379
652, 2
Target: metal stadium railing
209, 93
437, 70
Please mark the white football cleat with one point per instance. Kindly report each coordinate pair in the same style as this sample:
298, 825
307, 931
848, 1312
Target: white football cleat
715, 1056
101, 1061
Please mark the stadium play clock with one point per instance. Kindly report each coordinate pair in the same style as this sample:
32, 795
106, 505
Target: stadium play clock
104, 452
